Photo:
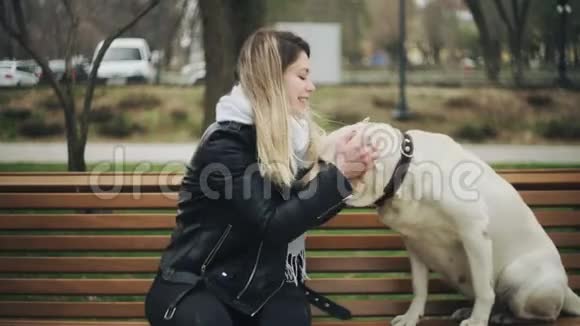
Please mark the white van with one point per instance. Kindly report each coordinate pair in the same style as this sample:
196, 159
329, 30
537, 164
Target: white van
18, 73
126, 60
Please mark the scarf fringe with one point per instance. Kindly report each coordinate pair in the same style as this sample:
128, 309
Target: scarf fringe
296, 267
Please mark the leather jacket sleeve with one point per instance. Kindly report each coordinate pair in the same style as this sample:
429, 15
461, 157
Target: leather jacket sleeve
237, 179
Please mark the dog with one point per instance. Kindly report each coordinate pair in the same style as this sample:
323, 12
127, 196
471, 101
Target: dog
459, 218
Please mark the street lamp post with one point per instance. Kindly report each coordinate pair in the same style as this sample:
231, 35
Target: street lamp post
402, 111
563, 9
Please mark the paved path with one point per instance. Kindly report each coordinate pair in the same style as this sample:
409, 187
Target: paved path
164, 153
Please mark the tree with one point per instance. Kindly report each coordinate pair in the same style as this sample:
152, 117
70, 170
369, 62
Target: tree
226, 24
433, 15
490, 44
514, 15
384, 24
77, 126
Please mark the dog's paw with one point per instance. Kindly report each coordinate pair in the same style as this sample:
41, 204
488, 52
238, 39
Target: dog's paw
504, 319
406, 320
473, 322
461, 314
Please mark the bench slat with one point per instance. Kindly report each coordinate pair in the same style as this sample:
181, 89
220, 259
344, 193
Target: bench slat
168, 200
87, 221
565, 321
141, 286
37, 322
159, 242
345, 220
88, 200
9, 181
150, 264
543, 179
136, 309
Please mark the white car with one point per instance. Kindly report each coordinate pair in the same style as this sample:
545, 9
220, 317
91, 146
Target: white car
18, 73
126, 60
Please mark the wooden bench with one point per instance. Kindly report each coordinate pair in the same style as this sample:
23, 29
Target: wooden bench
81, 249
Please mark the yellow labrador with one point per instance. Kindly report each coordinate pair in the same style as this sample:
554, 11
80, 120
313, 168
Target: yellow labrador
459, 218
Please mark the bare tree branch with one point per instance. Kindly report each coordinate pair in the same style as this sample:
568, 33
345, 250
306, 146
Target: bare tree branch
524, 15
22, 39
516, 12
19, 13
97, 62
69, 48
172, 30
4, 21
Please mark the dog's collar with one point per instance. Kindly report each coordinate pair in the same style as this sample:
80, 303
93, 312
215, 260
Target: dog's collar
400, 170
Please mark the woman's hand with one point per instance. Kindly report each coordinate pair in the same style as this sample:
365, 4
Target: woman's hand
353, 157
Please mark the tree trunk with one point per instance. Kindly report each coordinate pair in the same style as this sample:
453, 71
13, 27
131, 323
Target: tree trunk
515, 25
219, 54
517, 64
226, 24
76, 155
437, 55
490, 47
247, 16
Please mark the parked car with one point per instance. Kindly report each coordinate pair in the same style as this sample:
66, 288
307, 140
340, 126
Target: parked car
127, 60
78, 70
18, 73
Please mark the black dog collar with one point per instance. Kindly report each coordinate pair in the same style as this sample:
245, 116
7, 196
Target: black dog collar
400, 170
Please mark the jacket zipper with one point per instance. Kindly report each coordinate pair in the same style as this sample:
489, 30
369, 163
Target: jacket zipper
268, 298
215, 249
253, 272
333, 207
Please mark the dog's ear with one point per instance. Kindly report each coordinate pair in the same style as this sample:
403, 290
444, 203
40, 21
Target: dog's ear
366, 120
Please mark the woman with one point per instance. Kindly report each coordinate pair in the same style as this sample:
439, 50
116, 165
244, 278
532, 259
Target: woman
237, 253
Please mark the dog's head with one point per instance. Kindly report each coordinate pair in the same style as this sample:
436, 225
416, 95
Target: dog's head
386, 140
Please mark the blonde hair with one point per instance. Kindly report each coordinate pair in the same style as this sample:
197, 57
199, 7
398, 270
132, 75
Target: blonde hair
261, 64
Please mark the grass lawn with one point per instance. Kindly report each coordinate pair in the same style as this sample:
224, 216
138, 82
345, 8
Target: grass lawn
62, 167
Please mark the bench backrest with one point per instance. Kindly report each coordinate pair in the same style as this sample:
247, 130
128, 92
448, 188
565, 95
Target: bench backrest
76, 245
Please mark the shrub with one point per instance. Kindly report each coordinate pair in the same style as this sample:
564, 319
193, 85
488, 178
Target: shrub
50, 103
15, 113
179, 115
139, 101
117, 127
476, 132
560, 128
384, 103
101, 114
139, 128
8, 130
539, 100
460, 102
40, 128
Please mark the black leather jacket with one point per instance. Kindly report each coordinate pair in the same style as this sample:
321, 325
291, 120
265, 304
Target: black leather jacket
233, 226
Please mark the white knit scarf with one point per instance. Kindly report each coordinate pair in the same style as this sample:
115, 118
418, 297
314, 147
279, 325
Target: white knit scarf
235, 106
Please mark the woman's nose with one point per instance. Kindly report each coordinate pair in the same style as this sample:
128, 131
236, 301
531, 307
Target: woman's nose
310, 87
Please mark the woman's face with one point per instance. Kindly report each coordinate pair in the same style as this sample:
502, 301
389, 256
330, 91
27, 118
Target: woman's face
297, 81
